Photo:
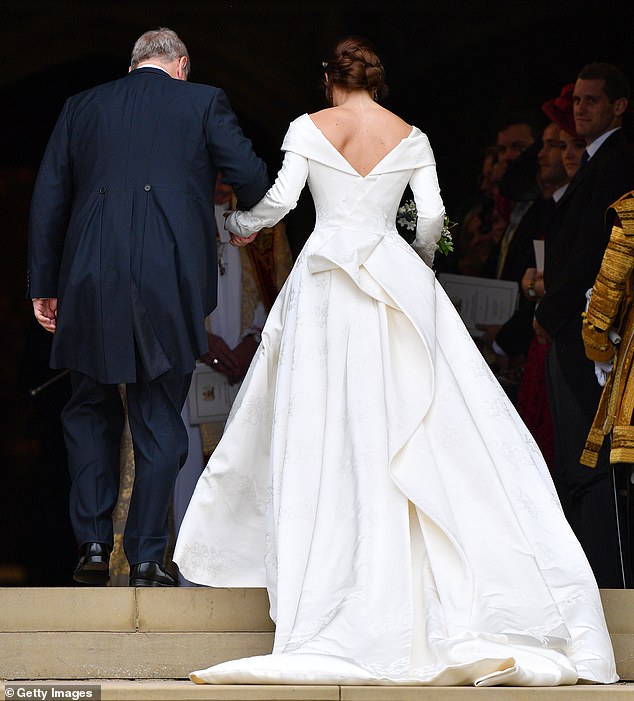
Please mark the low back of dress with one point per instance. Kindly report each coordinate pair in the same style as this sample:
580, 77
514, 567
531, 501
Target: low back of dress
344, 198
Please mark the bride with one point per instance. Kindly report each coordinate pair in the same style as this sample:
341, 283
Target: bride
373, 475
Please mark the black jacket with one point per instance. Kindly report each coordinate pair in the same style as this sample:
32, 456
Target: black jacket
122, 227
580, 233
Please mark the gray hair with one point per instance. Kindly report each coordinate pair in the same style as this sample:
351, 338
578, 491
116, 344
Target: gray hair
163, 44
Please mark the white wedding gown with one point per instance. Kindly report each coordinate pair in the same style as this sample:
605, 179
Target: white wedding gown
373, 474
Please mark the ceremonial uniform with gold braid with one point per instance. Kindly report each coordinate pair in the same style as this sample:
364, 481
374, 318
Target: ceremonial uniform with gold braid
612, 305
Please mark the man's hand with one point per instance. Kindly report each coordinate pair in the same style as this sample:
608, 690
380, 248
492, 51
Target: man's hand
242, 240
233, 364
533, 284
220, 356
45, 310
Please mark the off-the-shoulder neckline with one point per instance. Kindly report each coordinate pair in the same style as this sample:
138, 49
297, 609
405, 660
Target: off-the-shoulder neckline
338, 152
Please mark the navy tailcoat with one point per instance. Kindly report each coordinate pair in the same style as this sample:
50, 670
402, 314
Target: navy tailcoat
122, 228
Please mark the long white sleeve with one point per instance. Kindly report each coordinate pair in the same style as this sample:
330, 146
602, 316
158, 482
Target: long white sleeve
430, 212
278, 201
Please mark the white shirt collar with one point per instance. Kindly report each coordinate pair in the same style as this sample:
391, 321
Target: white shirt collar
559, 192
598, 142
151, 65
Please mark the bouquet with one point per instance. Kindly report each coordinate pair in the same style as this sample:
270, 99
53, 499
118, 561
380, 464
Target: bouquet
406, 219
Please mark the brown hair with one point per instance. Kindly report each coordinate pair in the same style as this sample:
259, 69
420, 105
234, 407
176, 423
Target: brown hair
616, 84
353, 65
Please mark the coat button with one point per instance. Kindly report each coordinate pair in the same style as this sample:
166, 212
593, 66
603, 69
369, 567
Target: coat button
147, 188
102, 190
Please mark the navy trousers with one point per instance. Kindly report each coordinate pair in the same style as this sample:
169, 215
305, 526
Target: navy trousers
93, 422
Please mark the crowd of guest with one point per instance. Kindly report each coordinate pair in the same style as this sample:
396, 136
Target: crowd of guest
557, 185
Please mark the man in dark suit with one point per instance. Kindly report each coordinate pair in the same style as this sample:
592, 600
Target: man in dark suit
512, 341
122, 269
574, 251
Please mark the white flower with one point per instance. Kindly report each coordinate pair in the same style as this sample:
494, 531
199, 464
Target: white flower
406, 218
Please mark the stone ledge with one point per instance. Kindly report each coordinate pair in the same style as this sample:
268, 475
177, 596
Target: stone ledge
623, 644
72, 655
203, 609
67, 608
611, 692
176, 690
618, 606
121, 632
124, 609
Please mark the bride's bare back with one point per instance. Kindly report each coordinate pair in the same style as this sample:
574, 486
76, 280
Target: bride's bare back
362, 131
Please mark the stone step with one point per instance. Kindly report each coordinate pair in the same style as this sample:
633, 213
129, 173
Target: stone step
127, 633
175, 690
73, 655
132, 610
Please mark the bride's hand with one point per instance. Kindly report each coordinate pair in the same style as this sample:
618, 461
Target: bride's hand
236, 240
242, 240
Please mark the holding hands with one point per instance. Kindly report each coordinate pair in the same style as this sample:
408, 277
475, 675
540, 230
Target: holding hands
237, 240
242, 240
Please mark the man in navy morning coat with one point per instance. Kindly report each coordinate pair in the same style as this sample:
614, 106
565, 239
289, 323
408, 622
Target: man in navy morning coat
122, 269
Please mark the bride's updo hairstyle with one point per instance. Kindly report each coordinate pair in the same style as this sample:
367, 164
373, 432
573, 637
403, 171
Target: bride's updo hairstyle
353, 65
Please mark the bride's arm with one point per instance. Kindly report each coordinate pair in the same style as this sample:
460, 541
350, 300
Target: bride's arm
430, 212
278, 201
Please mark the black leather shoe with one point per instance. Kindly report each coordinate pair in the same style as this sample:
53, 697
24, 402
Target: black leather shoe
92, 565
150, 574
